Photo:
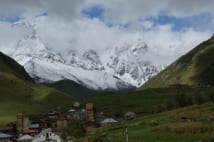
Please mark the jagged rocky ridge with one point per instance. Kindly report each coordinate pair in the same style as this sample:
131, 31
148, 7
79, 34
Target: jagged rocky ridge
123, 68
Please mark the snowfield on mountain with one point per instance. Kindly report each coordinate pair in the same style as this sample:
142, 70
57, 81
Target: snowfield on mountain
122, 67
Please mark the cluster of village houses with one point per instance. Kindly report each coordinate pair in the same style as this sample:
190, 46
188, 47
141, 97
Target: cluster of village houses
49, 127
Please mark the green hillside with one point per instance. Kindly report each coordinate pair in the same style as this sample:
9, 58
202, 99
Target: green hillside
81, 92
196, 67
9, 66
189, 124
19, 93
73, 88
146, 102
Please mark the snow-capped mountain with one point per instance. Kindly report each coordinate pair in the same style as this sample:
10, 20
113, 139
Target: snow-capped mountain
121, 68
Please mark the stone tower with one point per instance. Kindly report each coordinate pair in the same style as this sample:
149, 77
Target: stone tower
22, 123
90, 112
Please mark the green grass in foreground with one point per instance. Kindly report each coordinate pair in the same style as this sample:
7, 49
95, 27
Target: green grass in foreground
162, 127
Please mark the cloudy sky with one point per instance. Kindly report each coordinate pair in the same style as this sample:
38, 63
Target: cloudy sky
169, 27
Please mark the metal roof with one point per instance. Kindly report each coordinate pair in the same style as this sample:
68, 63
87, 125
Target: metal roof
71, 110
33, 126
3, 135
25, 137
109, 120
43, 132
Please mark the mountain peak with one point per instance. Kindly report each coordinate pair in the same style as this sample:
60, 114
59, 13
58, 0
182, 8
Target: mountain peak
122, 67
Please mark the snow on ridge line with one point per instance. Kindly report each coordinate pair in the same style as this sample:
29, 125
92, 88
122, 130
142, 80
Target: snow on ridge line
124, 66
93, 79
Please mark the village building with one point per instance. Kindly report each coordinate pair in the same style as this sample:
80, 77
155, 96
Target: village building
8, 129
70, 113
47, 135
100, 117
45, 123
34, 126
56, 121
5, 137
90, 112
79, 115
76, 104
22, 123
50, 120
109, 121
25, 138
61, 124
129, 115
53, 115
76, 114
30, 132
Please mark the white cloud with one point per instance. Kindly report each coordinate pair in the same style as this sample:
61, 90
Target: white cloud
116, 10
147, 24
9, 34
165, 44
121, 11
65, 29
63, 9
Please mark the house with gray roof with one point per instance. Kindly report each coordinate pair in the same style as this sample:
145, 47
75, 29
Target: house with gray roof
5, 137
109, 121
25, 138
47, 135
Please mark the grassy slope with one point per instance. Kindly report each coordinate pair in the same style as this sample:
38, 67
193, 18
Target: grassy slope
140, 101
145, 101
196, 67
168, 128
19, 93
71, 87
9, 66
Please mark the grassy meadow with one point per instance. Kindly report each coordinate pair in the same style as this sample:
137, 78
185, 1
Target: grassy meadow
162, 127
18, 95
146, 102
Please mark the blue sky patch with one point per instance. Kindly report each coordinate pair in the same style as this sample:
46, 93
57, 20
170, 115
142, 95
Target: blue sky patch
198, 22
10, 19
42, 14
125, 26
95, 11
